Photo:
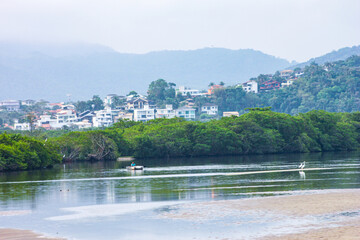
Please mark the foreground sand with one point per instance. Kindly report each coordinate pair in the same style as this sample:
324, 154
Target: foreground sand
313, 203
18, 234
303, 205
350, 232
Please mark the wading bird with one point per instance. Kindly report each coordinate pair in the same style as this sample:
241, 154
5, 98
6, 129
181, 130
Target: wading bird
302, 165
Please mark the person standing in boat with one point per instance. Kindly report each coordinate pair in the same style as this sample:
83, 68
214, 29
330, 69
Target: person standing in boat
133, 164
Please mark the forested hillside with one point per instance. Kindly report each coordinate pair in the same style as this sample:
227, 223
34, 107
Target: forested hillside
333, 87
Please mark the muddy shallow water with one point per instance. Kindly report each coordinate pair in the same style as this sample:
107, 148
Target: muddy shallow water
174, 199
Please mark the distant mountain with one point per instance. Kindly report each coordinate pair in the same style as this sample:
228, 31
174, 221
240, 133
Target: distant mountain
52, 71
333, 56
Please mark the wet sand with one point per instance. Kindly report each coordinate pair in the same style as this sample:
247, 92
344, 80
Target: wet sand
313, 203
317, 204
303, 205
18, 234
349, 232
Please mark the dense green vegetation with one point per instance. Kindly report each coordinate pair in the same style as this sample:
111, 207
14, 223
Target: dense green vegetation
260, 131
23, 152
334, 87
257, 132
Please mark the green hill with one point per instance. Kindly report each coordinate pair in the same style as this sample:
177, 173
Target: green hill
333, 87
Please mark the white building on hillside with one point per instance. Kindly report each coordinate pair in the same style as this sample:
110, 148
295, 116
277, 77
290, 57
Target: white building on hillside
287, 83
286, 73
137, 103
10, 105
186, 112
66, 117
168, 112
28, 102
47, 122
83, 124
22, 126
103, 118
145, 114
210, 109
124, 116
250, 86
184, 91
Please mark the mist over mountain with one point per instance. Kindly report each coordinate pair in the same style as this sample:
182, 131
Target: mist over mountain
82, 70
341, 54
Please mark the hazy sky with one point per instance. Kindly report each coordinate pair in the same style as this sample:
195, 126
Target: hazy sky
291, 29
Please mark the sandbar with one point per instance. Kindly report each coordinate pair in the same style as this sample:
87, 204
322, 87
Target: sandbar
300, 205
315, 204
19, 234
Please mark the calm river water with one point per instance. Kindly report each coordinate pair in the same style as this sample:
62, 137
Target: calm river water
105, 201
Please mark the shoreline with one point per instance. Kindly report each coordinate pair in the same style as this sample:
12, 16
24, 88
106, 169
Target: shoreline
18, 234
334, 214
315, 214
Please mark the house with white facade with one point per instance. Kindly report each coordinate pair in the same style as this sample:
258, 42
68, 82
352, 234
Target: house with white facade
210, 109
250, 86
288, 82
21, 126
167, 112
47, 122
286, 74
184, 91
124, 116
10, 105
145, 114
28, 102
137, 103
186, 112
83, 124
66, 117
103, 118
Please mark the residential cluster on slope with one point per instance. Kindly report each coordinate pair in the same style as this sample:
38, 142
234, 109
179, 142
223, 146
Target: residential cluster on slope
137, 108
59, 115
272, 82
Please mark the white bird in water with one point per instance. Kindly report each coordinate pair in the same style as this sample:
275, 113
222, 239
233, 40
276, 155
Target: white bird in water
302, 165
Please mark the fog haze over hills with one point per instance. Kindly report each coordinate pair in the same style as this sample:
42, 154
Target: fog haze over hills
45, 71
51, 72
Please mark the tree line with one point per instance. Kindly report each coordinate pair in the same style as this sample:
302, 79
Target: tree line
260, 131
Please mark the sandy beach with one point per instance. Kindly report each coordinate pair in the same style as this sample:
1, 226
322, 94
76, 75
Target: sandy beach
303, 205
342, 206
18, 234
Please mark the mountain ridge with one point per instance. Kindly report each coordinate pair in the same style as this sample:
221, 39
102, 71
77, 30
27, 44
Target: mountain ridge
335, 55
52, 76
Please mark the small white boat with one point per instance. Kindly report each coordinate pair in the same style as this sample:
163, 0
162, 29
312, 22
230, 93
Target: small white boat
135, 167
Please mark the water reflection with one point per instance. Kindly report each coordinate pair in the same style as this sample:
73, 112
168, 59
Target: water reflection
75, 186
302, 175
